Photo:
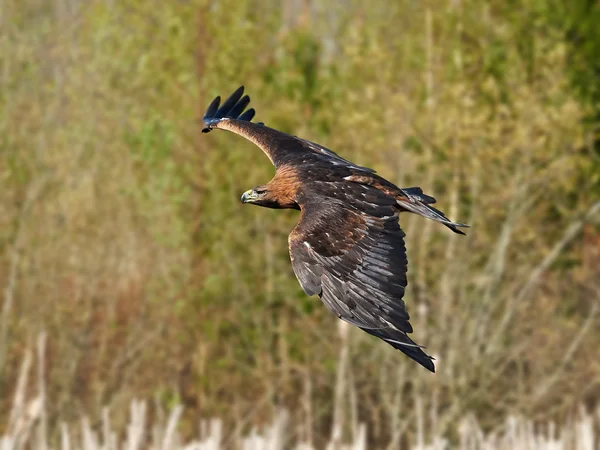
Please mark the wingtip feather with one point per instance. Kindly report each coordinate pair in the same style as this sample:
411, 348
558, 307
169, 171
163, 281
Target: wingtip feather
212, 108
232, 108
248, 115
406, 345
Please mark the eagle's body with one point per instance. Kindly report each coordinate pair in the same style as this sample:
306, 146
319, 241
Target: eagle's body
348, 247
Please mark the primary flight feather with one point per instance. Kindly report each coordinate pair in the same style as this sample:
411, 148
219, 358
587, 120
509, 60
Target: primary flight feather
348, 247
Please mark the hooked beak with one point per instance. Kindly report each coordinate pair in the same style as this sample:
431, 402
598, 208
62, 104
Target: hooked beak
249, 196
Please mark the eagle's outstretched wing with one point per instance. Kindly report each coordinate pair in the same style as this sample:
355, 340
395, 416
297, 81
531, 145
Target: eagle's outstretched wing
353, 256
280, 147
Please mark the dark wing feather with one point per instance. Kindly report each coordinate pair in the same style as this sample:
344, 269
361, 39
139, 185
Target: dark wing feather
248, 115
278, 146
231, 108
239, 107
229, 104
330, 155
353, 256
212, 108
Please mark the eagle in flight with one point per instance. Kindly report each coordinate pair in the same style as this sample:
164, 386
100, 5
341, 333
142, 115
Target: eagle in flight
348, 247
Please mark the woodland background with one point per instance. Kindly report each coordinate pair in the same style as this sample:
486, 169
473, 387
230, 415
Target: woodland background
124, 243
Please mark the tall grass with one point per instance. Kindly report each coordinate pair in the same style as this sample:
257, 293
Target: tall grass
159, 431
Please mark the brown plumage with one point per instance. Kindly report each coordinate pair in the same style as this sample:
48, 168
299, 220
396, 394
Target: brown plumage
348, 247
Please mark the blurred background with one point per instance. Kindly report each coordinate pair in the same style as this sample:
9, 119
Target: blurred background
138, 291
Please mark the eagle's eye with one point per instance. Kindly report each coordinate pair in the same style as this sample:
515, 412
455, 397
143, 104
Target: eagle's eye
260, 191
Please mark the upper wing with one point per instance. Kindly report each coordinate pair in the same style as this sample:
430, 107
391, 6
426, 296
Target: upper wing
353, 256
278, 146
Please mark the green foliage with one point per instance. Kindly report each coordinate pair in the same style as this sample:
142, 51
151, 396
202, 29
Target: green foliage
150, 274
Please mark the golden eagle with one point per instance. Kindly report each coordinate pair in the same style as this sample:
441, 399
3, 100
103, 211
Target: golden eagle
348, 246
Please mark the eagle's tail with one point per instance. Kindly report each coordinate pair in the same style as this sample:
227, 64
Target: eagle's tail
415, 201
406, 345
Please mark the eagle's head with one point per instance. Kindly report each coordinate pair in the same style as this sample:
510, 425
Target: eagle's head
268, 196
260, 196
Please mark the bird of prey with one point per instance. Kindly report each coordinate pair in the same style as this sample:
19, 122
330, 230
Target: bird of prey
348, 247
